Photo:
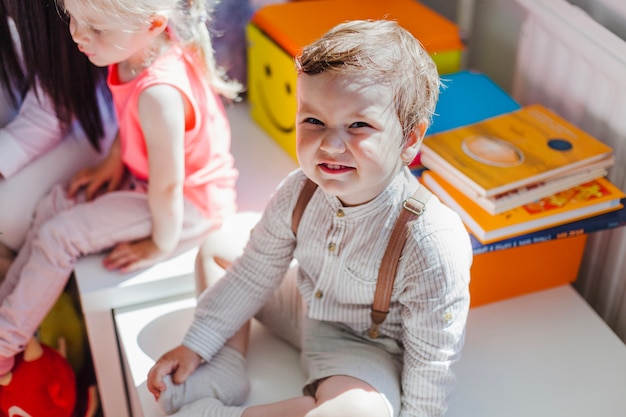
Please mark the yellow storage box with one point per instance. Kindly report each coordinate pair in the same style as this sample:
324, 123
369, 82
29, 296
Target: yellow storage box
276, 33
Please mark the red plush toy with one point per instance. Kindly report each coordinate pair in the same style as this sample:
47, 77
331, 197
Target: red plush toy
42, 384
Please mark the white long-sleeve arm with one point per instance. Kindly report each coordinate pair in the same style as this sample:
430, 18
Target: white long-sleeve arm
33, 132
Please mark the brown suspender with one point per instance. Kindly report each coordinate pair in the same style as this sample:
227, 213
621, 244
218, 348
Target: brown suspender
414, 206
303, 199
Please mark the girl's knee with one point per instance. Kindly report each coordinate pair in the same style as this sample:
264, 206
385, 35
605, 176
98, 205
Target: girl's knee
52, 203
220, 248
207, 270
227, 243
59, 240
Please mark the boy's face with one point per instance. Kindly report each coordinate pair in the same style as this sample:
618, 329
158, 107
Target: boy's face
348, 136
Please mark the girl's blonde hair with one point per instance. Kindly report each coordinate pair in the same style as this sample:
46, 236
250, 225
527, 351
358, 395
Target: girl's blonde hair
386, 54
187, 22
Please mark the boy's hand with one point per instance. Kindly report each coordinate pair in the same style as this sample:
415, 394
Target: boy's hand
180, 362
131, 256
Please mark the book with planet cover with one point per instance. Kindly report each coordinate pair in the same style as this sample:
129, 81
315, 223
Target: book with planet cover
528, 148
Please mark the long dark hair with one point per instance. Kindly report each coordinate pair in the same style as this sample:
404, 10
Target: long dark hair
52, 60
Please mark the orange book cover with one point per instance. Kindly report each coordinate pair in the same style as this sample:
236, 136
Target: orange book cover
585, 200
512, 150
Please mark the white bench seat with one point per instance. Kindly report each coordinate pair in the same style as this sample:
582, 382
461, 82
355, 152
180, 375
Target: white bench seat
546, 354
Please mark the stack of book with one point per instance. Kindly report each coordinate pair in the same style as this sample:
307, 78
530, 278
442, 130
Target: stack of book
459, 91
520, 172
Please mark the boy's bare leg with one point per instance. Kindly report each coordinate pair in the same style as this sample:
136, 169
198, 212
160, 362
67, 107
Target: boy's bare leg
221, 248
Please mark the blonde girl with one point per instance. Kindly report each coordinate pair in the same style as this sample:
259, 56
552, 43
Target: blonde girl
169, 177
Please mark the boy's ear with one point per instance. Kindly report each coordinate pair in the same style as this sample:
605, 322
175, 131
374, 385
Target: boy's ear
413, 142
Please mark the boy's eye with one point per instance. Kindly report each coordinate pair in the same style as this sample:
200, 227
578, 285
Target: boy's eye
95, 31
313, 121
359, 124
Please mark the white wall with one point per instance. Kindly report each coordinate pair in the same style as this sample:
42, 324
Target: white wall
492, 44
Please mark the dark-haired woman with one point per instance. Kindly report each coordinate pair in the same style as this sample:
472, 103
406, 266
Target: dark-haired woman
55, 113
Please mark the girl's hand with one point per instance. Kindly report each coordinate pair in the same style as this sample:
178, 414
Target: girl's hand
131, 256
180, 362
94, 180
109, 173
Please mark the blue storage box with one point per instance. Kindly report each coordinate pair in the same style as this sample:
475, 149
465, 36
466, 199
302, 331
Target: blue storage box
468, 97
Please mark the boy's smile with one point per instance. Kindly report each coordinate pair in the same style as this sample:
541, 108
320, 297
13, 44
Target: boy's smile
348, 136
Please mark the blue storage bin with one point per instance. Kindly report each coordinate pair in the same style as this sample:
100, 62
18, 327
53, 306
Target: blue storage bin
468, 97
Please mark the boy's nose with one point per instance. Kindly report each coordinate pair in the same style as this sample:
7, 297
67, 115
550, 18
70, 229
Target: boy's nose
333, 142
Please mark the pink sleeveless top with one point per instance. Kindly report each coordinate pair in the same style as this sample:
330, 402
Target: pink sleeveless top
210, 175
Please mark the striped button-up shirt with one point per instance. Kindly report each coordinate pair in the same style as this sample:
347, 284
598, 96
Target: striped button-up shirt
339, 251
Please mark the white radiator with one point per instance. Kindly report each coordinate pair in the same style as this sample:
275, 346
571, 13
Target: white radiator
576, 67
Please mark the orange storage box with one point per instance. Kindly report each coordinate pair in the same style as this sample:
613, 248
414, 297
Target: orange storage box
276, 33
522, 270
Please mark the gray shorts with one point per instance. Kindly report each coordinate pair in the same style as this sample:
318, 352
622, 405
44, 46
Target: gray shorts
329, 349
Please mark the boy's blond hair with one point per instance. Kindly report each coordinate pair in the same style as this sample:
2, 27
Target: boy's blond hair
386, 54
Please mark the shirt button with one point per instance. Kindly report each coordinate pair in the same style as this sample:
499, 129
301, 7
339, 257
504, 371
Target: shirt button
332, 247
319, 294
447, 316
340, 213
